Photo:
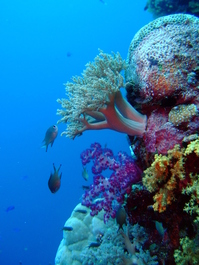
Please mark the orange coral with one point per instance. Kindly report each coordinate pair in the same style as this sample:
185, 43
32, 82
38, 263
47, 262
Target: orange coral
163, 82
163, 176
170, 174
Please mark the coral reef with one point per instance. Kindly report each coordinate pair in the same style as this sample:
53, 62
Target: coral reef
182, 114
189, 253
162, 81
166, 7
92, 242
161, 57
174, 221
85, 229
169, 174
108, 193
94, 101
159, 186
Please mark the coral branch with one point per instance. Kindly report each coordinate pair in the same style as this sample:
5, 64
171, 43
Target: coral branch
108, 193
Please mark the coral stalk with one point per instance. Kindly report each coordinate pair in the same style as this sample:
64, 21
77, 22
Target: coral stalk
94, 101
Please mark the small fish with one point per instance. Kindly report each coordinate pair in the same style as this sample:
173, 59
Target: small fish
160, 228
50, 136
81, 211
68, 54
85, 187
121, 217
94, 245
10, 208
67, 228
103, 2
54, 181
85, 173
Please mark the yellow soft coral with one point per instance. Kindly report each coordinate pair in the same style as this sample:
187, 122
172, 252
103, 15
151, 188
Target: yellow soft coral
188, 253
162, 176
178, 170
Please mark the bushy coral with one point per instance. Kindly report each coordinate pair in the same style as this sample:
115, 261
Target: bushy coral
189, 252
108, 193
94, 101
169, 174
192, 189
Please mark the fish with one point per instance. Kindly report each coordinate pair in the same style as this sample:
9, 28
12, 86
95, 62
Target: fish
54, 181
10, 208
159, 227
121, 217
50, 136
68, 54
94, 245
85, 187
103, 2
67, 228
81, 211
85, 173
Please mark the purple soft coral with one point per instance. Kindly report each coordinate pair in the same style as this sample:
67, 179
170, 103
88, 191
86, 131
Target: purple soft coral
106, 193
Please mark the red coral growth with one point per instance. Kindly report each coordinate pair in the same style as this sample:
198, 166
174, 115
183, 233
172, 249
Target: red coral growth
161, 135
174, 220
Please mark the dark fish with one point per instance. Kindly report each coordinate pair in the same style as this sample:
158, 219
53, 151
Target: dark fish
68, 54
103, 2
50, 136
121, 217
146, 7
67, 228
10, 208
94, 245
54, 181
81, 211
85, 187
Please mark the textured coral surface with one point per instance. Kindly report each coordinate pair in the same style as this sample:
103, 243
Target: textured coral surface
163, 60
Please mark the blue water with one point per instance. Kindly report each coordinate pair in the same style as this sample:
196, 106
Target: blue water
43, 43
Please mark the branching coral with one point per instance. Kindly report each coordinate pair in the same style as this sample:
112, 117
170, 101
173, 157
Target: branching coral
168, 175
189, 252
192, 189
162, 177
95, 102
108, 193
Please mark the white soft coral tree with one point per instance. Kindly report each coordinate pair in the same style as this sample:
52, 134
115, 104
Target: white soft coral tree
94, 101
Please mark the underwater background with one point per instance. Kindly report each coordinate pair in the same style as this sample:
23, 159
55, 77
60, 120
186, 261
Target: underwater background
43, 44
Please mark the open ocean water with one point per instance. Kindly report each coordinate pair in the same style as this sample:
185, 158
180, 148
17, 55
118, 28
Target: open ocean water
43, 43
